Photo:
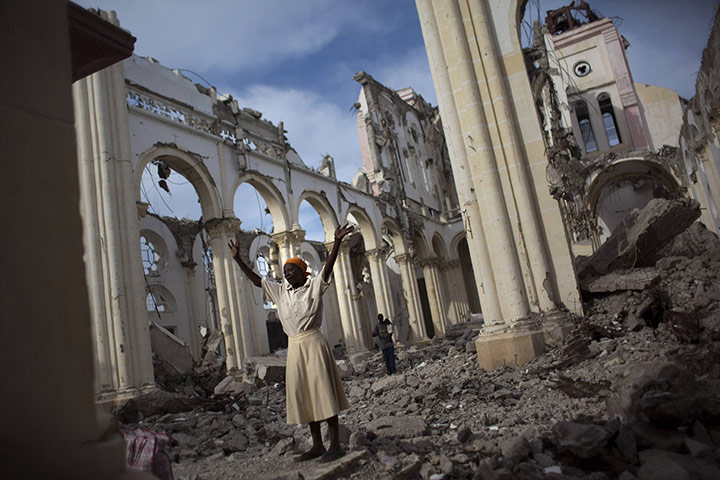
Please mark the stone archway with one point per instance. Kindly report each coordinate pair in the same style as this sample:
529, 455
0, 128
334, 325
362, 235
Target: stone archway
623, 186
190, 167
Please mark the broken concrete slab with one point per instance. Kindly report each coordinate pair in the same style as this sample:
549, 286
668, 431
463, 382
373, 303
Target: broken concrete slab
582, 440
402, 426
170, 348
335, 468
636, 279
642, 233
233, 385
267, 370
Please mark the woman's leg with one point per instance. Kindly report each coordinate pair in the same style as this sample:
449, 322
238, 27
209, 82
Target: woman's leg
317, 443
334, 434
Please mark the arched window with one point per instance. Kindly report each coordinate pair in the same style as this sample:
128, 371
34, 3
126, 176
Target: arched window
609, 120
155, 302
150, 256
586, 131
262, 265
263, 269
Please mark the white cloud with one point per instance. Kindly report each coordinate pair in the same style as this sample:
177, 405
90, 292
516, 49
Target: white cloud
229, 35
315, 126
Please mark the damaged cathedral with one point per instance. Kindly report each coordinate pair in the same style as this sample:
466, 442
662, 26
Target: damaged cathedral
548, 226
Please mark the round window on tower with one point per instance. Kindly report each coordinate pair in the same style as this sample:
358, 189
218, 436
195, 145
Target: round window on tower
582, 68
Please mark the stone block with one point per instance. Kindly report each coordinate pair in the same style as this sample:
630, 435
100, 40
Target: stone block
409, 426
511, 349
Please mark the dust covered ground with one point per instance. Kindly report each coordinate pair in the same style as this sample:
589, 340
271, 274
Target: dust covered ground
632, 392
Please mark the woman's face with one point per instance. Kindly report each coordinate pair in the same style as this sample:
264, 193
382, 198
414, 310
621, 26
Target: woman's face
294, 275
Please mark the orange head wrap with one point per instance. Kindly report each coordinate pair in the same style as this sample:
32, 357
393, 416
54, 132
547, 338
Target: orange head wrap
298, 261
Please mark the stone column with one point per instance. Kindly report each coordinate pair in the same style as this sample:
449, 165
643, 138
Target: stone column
412, 296
466, 61
381, 286
347, 301
289, 243
111, 236
476, 238
191, 290
459, 302
220, 232
435, 295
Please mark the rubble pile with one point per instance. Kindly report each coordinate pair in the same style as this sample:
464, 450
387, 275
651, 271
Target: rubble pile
632, 392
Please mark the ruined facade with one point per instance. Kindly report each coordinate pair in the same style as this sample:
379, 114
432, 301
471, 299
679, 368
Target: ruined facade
558, 143
699, 141
612, 143
177, 275
516, 234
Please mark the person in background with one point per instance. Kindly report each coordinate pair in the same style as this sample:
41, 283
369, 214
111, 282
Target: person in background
384, 331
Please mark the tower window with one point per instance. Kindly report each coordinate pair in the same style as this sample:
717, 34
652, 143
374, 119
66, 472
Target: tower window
586, 131
609, 120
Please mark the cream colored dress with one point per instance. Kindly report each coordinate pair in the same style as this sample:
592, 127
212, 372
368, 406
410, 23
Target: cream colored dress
313, 388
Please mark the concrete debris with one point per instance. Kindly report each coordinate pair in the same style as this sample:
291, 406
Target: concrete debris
637, 279
171, 349
632, 392
642, 233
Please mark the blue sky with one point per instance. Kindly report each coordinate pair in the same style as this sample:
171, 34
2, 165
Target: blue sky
294, 61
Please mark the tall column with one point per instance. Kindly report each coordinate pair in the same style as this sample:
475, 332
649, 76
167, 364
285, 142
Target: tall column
474, 81
460, 303
347, 300
412, 295
381, 286
111, 236
476, 238
220, 232
511, 157
191, 291
435, 295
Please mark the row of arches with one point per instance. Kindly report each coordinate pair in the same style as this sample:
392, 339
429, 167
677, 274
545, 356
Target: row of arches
376, 254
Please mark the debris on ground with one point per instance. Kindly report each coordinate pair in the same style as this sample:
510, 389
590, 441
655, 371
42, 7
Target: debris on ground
633, 391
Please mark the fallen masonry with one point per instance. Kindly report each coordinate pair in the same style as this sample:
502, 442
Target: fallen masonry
632, 392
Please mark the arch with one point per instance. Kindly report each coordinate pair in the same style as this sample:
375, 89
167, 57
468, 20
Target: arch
438, 246
627, 183
392, 230
637, 166
421, 245
188, 166
161, 296
455, 244
270, 194
322, 206
367, 230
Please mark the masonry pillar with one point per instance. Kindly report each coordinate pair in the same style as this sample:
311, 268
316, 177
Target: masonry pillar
381, 286
435, 295
289, 243
477, 243
458, 301
412, 296
347, 300
112, 237
191, 289
220, 232
479, 72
